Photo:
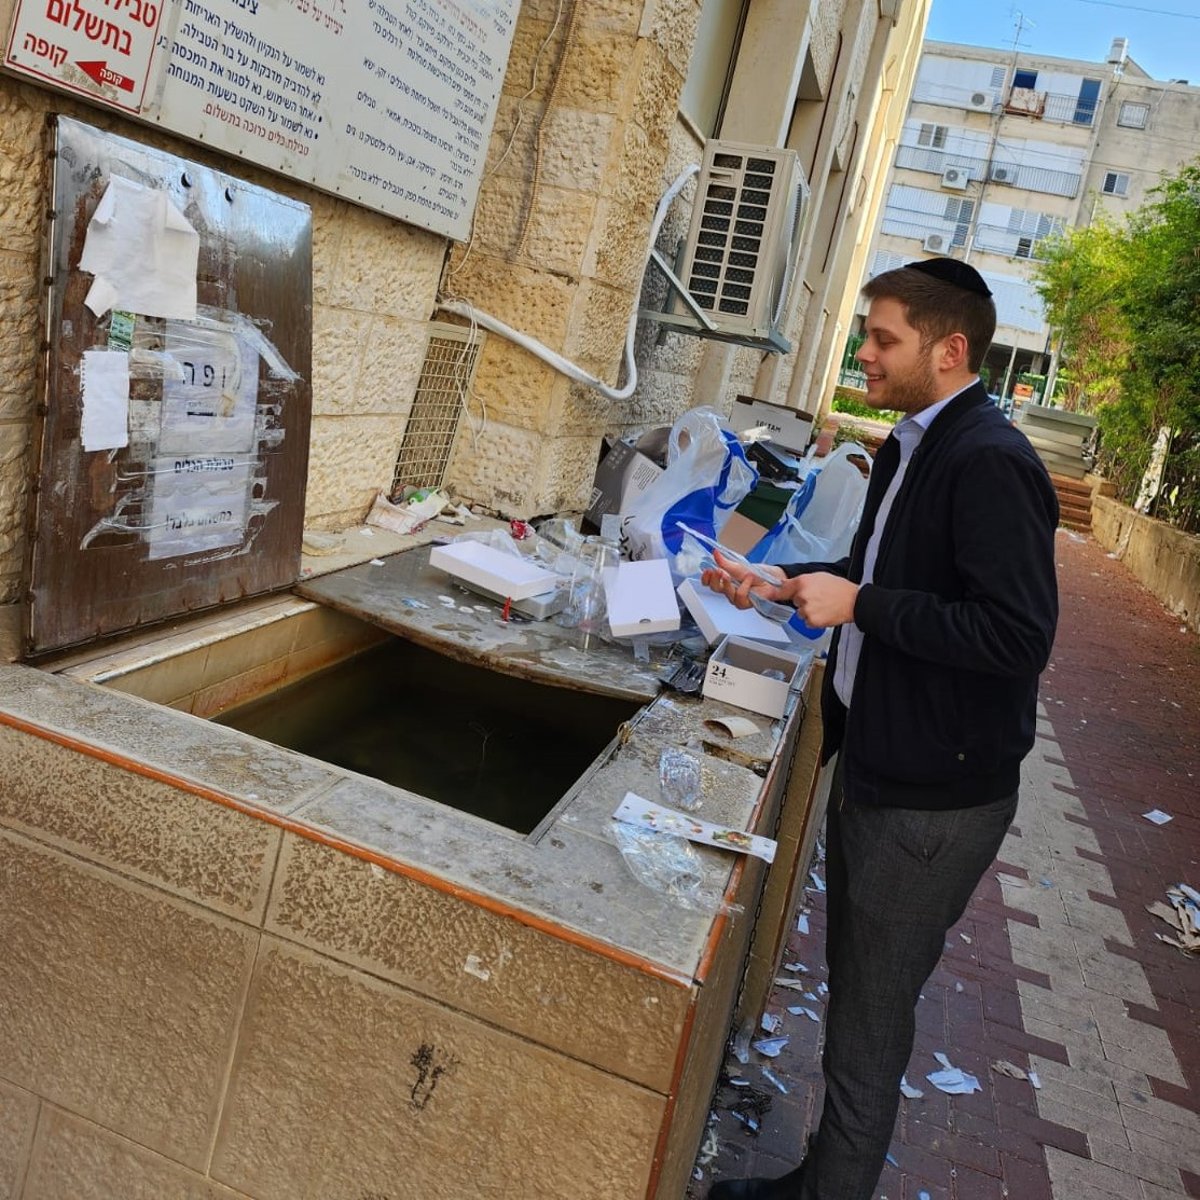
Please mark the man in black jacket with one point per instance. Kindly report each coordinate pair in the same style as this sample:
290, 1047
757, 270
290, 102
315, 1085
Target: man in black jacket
945, 613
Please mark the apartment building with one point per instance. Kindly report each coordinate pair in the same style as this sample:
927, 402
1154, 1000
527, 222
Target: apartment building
1000, 151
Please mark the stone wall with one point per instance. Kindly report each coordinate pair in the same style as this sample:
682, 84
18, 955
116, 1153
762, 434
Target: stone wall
1163, 559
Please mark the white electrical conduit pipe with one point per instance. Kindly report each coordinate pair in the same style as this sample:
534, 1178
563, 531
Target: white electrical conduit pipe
552, 357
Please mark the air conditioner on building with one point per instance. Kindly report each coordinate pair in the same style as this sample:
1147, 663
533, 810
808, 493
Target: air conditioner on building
956, 178
740, 257
979, 100
1003, 174
936, 243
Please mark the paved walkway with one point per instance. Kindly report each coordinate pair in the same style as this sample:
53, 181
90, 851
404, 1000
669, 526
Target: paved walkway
1055, 967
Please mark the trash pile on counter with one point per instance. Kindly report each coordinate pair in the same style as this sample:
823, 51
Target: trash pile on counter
629, 570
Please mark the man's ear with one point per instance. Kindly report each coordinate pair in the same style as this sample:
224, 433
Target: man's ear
955, 351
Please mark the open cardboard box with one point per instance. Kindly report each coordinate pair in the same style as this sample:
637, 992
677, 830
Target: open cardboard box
735, 675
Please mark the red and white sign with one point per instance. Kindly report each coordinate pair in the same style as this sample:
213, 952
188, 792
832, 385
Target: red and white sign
98, 48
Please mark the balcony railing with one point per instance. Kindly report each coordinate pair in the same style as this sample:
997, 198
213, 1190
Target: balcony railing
999, 239
1050, 106
1034, 179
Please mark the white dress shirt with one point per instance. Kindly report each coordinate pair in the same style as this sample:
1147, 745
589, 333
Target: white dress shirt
909, 431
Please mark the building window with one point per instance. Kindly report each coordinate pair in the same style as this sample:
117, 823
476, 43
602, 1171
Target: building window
1115, 184
707, 84
933, 136
960, 213
1024, 247
1085, 106
1024, 79
1134, 116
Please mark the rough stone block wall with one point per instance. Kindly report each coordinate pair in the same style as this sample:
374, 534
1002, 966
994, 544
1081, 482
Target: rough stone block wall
593, 117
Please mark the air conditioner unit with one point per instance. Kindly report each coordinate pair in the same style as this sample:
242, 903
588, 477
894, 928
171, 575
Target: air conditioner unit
936, 243
741, 253
956, 178
1003, 174
979, 100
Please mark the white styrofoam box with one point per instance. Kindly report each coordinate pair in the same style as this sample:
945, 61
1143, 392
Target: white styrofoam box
641, 598
735, 676
789, 427
718, 617
503, 574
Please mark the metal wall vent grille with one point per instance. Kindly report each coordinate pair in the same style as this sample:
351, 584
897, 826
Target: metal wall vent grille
732, 230
442, 390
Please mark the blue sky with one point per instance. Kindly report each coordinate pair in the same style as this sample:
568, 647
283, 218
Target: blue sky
1164, 35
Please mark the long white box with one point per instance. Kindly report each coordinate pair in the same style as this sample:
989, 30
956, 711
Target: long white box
719, 618
735, 676
484, 565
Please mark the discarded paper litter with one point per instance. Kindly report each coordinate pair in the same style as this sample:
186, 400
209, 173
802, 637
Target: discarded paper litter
658, 817
952, 1080
1183, 915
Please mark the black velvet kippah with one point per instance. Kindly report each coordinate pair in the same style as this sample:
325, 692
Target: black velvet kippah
950, 270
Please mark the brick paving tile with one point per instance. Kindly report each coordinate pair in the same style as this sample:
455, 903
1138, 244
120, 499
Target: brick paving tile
1120, 735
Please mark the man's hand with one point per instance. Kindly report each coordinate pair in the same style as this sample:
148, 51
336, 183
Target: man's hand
821, 599
735, 582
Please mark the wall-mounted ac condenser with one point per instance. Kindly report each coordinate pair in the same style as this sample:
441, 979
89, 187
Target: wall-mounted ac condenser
740, 257
935, 243
956, 178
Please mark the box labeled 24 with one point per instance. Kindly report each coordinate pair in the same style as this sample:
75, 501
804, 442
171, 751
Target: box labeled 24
736, 676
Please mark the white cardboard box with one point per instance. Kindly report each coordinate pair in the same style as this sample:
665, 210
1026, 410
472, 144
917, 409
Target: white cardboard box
735, 676
641, 598
789, 426
484, 565
718, 618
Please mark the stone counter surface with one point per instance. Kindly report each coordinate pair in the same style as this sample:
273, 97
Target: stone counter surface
237, 971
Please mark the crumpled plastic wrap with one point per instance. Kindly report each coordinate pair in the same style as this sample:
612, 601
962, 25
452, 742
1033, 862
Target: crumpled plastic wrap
664, 863
679, 778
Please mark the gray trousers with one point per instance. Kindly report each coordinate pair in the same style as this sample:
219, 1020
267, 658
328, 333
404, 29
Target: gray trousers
897, 880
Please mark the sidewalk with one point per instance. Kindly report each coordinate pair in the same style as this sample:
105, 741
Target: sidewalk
1055, 966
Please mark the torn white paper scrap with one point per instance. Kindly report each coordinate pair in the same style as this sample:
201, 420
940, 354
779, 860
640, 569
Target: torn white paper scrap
104, 376
908, 1090
952, 1080
802, 923
772, 1022
1157, 817
818, 882
1003, 1067
142, 251
770, 1047
771, 1077
794, 985
636, 810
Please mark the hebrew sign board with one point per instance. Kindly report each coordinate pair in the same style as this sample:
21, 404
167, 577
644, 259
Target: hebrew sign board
173, 437
387, 103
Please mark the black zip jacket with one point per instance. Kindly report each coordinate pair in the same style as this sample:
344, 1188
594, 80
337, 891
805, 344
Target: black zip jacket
958, 621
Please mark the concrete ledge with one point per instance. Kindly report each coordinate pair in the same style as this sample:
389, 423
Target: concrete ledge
1163, 559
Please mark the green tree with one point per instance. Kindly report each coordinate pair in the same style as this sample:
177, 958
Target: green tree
1124, 302
1081, 280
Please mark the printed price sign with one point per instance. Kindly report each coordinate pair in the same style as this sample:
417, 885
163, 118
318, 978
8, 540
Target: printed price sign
98, 48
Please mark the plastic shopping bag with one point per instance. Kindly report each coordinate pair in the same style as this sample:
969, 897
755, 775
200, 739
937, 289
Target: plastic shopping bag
820, 520
707, 477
